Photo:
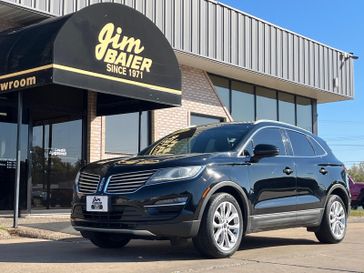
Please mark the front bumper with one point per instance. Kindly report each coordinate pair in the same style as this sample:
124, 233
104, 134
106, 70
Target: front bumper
138, 215
185, 229
136, 220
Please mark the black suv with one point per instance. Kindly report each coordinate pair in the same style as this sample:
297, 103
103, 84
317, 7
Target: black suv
214, 184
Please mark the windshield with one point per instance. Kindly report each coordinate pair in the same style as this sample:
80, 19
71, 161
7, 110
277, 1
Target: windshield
200, 140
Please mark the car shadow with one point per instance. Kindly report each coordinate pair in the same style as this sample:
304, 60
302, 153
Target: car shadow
256, 242
82, 251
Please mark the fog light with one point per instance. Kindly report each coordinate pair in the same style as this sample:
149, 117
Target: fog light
178, 201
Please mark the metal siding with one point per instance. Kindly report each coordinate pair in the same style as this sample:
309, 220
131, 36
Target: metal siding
273, 51
168, 19
296, 55
330, 70
234, 58
254, 44
285, 55
159, 9
178, 19
226, 31
241, 40
187, 17
204, 27
195, 27
212, 30
290, 56
279, 53
260, 46
335, 72
267, 44
219, 32
301, 60
248, 42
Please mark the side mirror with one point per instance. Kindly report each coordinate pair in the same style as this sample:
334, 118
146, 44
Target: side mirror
265, 150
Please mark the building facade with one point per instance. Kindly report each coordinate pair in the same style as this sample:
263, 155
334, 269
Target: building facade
234, 67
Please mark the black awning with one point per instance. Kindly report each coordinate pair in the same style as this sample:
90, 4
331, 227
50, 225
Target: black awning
108, 48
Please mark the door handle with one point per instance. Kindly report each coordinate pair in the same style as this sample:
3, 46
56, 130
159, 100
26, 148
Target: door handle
288, 171
323, 171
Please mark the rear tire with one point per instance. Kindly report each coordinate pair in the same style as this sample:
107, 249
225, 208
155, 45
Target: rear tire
334, 222
107, 240
221, 227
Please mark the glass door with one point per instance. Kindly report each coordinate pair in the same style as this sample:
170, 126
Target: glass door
8, 129
56, 159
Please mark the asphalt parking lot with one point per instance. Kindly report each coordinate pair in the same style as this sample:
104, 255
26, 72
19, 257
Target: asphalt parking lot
293, 250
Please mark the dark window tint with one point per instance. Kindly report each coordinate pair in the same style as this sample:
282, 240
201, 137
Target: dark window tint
318, 149
201, 120
199, 140
122, 133
242, 102
222, 89
300, 144
266, 104
271, 136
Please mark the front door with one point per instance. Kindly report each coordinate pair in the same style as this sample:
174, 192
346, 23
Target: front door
274, 183
56, 159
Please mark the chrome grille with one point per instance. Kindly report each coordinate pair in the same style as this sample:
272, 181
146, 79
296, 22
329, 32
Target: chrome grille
128, 182
88, 183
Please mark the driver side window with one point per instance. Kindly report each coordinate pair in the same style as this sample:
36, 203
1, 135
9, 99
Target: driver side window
271, 136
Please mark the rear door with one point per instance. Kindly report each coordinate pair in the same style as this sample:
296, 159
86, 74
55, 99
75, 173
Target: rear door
312, 177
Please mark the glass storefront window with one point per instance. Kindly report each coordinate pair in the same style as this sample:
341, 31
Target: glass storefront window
242, 101
201, 120
222, 89
8, 130
304, 113
286, 108
56, 159
266, 103
122, 133
247, 102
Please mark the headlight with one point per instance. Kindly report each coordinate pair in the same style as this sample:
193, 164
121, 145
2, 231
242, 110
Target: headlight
77, 178
174, 174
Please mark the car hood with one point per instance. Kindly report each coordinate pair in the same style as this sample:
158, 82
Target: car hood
139, 163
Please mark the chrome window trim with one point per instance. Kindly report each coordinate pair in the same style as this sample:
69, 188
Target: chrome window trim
241, 150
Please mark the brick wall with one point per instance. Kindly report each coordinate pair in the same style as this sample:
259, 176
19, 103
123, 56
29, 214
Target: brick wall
198, 96
95, 130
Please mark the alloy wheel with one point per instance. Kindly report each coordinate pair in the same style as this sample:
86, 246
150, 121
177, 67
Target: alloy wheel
226, 226
337, 219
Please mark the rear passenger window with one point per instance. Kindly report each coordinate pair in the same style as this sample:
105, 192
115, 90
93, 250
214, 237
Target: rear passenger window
271, 136
300, 144
318, 149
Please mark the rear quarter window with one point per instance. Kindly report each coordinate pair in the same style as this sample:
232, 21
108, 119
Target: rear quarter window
317, 147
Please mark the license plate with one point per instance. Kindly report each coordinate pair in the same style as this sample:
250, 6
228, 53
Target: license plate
97, 203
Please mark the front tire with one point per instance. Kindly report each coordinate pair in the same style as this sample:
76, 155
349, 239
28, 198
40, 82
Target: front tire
334, 223
221, 227
107, 240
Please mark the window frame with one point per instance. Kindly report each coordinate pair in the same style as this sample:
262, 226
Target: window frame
255, 86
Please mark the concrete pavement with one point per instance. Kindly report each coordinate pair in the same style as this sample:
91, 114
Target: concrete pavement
293, 250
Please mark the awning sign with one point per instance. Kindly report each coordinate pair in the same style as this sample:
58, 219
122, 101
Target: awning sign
108, 48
